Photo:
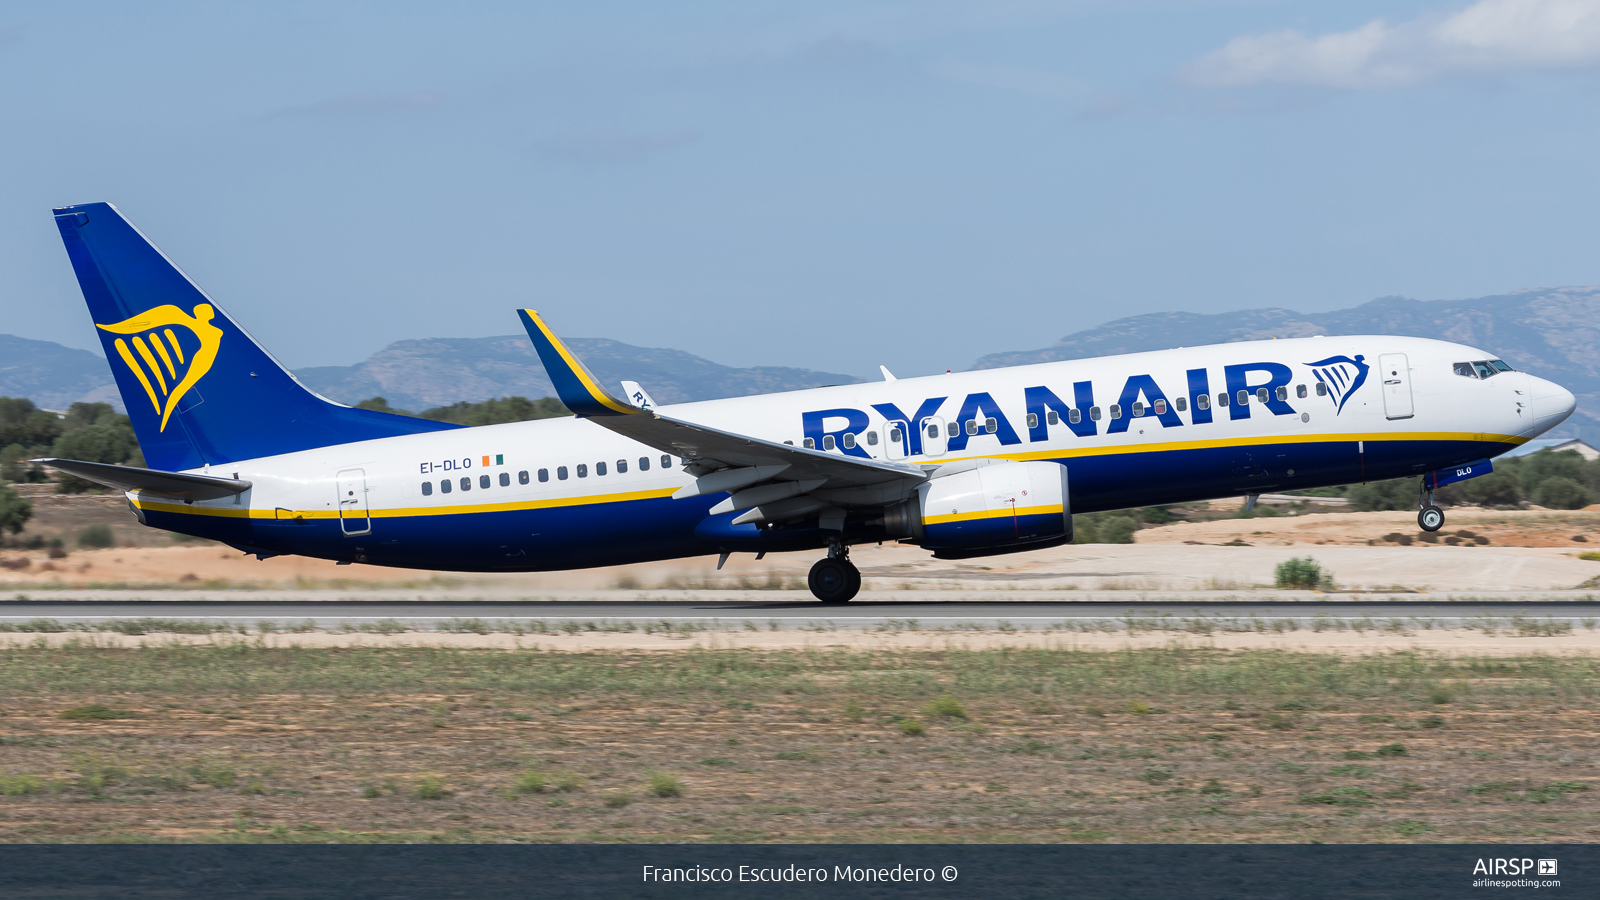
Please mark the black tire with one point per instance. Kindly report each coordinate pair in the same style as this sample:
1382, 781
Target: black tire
834, 580
1431, 518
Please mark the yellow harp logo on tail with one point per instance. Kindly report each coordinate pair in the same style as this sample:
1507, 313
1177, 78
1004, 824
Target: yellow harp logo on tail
157, 355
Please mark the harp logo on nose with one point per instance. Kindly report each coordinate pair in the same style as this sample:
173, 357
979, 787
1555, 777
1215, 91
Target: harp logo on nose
168, 350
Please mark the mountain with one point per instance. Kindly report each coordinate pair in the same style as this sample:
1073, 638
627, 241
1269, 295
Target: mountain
419, 374
1551, 332
53, 376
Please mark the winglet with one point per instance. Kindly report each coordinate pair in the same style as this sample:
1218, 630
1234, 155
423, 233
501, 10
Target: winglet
575, 385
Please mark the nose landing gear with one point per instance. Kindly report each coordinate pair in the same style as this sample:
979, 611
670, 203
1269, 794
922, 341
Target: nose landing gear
1431, 518
835, 579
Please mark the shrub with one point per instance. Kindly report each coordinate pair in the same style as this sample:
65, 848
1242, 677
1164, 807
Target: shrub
664, 784
1155, 776
1561, 492
95, 712
1213, 786
530, 782
431, 788
96, 537
912, 727
618, 800
1392, 750
1343, 795
1400, 493
19, 785
1156, 515
1118, 530
1302, 573
15, 510
946, 707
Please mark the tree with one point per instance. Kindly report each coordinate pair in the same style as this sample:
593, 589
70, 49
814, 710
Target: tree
498, 411
110, 442
1561, 492
15, 510
1400, 493
23, 423
380, 404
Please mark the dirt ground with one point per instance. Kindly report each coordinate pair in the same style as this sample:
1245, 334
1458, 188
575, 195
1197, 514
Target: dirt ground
1518, 550
948, 746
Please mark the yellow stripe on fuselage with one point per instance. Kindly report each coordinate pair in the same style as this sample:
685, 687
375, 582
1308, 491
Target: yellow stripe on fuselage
400, 512
994, 514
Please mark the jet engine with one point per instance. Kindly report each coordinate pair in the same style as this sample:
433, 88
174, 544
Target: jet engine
997, 508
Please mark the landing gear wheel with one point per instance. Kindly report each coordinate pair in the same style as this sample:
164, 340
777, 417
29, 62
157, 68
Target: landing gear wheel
1431, 518
834, 580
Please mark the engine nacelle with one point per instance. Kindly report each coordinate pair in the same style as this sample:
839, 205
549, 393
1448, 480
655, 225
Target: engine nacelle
995, 508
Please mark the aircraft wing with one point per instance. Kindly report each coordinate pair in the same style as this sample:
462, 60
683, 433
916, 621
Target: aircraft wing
723, 460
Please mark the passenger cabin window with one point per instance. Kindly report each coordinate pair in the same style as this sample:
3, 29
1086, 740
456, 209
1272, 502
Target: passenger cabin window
1116, 410
505, 479
952, 429
972, 426
1222, 400
1261, 395
666, 461
1074, 415
1094, 413
1138, 409
483, 482
644, 463
827, 442
1033, 420
427, 489
583, 470
894, 435
811, 444
599, 468
1322, 389
1202, 401
561, 473
622, 467
872, 438
1161, 407
1300, 391
444, 486
991, 425
849, 440
1283, 392
1051, 418
1244, 397
1182, 403
466, 483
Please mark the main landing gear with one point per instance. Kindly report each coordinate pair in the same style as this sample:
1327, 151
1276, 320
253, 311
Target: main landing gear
1431, 518
835, 579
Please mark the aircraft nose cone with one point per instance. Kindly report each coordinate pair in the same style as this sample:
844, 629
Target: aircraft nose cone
1551, 403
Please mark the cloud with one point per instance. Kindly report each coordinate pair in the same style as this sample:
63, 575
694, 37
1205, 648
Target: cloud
1491, 35
612, 147
362, 105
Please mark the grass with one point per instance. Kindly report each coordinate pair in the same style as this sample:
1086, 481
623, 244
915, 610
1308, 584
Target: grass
301, 735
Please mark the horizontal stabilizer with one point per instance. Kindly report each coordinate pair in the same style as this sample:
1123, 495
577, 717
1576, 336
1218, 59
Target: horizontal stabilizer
129, 478
574, 384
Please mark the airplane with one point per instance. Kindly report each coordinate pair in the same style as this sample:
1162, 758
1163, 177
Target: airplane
963, 465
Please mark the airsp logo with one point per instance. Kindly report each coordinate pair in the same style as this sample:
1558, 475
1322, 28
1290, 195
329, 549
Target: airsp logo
1547, 867
1512, 867
168, 341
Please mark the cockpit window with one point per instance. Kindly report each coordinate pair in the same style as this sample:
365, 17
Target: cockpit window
1482, 368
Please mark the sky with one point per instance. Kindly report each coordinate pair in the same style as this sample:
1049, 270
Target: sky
825, 185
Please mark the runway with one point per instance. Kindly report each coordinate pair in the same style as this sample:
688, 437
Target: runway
786, 612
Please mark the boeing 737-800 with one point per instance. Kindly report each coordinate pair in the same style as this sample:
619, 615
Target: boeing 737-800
966, 464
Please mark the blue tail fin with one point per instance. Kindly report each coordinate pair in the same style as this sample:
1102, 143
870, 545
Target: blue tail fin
199, 389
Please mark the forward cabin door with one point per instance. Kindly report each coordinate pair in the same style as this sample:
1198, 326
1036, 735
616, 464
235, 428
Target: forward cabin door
896, 440
1396, 385
353, 517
